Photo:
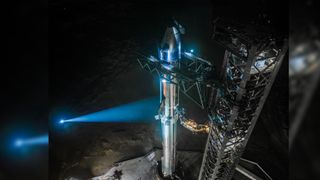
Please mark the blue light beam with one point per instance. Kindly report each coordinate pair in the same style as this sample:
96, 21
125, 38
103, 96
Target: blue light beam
39, 140
139, 111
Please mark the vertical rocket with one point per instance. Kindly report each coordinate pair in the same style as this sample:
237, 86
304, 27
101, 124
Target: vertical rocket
169, 55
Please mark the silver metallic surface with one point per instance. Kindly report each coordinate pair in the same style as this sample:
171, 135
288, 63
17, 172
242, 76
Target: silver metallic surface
233, 106
170, 52
249, 75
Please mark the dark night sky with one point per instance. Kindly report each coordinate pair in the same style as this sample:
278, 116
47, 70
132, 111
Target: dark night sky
26, 71
77, 31
24, 89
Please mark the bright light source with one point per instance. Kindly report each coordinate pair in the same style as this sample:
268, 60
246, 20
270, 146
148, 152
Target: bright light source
191, 50
18, 143
163, 80
38, 140
169, 55
138, 111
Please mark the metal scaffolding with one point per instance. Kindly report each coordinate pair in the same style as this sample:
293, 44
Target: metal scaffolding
250, 67
304, 75
180, 72
233, 101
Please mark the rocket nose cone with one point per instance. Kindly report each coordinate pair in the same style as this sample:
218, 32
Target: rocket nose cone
170, 48
171, 39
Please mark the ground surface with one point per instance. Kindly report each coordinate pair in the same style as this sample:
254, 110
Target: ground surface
93, 67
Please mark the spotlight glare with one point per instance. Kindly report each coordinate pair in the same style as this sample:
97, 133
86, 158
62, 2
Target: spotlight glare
191, 50
138, 111
38, 140
18, 142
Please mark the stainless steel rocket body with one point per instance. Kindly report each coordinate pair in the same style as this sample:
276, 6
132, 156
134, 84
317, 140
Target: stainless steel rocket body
168, 126
169, 53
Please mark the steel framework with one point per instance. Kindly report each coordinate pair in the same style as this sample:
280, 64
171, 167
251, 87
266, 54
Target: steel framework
233, 101
250, 67
179, 72
304, 75
190, 76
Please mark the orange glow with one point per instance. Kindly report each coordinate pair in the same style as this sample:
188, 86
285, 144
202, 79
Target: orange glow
194, 127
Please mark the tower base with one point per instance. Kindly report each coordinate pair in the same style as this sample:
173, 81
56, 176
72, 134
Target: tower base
148, 167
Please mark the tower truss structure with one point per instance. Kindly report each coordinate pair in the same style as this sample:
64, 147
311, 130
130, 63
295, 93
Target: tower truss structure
250, 65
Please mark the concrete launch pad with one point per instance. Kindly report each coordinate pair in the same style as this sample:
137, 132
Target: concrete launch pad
147, 168
143, 168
